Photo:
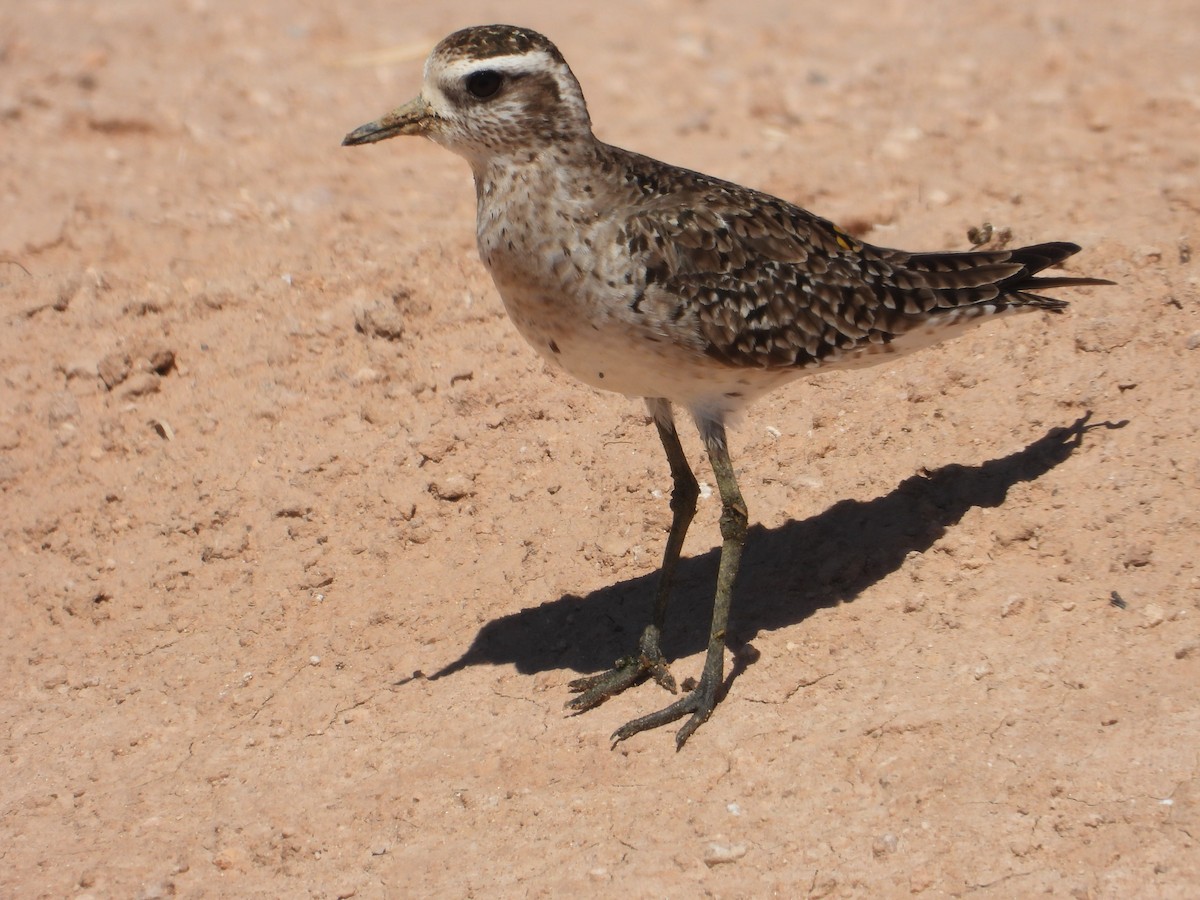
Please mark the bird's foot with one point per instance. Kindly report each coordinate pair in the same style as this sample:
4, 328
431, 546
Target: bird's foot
699, 702
647, 663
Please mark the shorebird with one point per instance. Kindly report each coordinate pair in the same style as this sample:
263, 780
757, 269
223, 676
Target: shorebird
661, 283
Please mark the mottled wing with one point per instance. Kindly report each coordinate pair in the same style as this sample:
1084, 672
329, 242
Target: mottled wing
771, 285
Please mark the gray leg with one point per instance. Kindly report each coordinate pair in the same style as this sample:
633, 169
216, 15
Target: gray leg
703, 699
648, 660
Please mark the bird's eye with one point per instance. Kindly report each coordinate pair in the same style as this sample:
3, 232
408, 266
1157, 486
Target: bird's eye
484, 84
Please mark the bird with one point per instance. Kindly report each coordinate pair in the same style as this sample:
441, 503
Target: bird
678, 288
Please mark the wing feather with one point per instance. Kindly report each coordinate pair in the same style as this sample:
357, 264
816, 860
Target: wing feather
768, 284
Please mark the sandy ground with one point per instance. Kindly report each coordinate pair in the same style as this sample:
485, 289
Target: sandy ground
269, 446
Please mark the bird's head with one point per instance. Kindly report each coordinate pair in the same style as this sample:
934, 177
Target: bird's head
490, 91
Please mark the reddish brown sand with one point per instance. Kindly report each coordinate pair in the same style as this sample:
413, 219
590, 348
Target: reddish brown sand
269, 446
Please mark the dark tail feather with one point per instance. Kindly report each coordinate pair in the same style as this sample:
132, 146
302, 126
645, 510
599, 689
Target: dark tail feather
1025, 300
1037, 284
998, 279
1036, 258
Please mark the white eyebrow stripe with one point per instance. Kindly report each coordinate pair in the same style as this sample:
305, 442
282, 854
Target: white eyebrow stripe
532, 61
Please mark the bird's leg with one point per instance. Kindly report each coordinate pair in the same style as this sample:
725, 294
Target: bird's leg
648, 659
701, 701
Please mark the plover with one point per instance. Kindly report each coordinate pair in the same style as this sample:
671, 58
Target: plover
665, 284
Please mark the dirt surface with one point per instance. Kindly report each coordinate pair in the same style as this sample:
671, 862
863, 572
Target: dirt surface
269, 446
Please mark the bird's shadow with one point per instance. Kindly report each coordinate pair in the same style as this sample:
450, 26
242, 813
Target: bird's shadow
787, 572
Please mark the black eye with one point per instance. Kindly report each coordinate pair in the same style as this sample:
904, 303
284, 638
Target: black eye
484, 84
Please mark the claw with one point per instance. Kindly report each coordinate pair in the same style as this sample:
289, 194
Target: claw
700, 703
629, 670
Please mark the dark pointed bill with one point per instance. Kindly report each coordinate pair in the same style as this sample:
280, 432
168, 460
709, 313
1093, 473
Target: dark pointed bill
411, 118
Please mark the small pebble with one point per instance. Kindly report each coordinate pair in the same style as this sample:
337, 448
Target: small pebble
451, 488
1013, 604
718, 854
884, 844
1152, 615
